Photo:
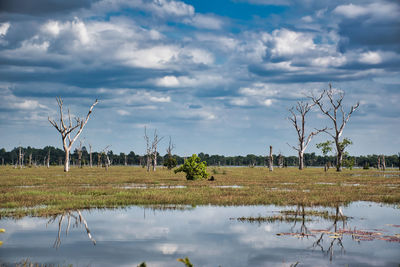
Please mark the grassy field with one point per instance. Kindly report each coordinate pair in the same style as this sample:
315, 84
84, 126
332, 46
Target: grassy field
44, 192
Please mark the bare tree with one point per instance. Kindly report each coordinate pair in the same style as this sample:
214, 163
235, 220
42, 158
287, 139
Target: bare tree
151, 149
337, 115
104, 153
76, 220
21, 158
154, 145
67, 129
170, 147
148, 149
79, 150
270, 160
90, 156
300, 112
48, 159
383, 163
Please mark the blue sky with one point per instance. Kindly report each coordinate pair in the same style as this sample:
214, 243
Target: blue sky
217, 76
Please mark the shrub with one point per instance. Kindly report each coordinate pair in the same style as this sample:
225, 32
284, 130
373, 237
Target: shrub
194, 168
170, 163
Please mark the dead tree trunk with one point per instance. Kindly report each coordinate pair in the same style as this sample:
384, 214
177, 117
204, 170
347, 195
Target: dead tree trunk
21, 158
271, 160
126, 160
48, 159
379, 163
30, 160
383, 163
90, 156
66, 130
99, 160
280, 160
338, 117
154, 146
302, 110
79, 150
148, 150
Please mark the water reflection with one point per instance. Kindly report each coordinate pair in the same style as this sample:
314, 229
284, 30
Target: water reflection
206, 235
74, 217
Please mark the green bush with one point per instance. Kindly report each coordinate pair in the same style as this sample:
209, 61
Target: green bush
194, 168
170, 163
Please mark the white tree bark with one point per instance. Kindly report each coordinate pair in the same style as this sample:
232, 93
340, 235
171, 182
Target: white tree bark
337, 115
270, 160
302, 109
66, 130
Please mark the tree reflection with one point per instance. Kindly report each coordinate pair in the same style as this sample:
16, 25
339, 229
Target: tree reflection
336, 238
74, 218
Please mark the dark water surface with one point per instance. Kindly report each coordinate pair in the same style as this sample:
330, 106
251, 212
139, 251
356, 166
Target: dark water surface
208, 235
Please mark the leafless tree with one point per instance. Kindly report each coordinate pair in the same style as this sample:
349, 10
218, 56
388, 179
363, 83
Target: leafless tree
270, 160
104, 153
383, 163
298, 119
151, 149
76, 220
67, 129
21, 158
335, 112
79, 150
280, 160
148, 149
48, 159
170, 147
90, 156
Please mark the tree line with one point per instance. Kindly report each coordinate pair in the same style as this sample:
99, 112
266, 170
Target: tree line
56, 156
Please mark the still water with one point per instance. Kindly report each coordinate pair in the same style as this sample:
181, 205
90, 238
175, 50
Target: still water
208, 235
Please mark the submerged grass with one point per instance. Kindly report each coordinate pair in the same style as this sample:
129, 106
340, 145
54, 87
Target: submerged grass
45, 192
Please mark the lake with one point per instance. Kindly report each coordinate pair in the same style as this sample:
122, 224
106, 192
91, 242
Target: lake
360, 234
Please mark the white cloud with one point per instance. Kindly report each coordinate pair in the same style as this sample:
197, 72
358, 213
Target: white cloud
350, 10
307, 19
378, 11
268, 102
123, 112
328, 61
4, 28
258, 89
156, 99
287, 43
239, 101
157, 57
370, 57
205, 21
168, 81
28, 104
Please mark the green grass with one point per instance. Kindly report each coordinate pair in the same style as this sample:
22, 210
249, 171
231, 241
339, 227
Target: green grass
45, 192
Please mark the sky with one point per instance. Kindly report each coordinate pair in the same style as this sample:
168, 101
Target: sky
216, 76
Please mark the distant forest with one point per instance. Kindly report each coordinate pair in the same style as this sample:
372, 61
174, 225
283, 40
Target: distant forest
35, 156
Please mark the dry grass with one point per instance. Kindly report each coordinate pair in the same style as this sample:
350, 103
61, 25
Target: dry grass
44, 192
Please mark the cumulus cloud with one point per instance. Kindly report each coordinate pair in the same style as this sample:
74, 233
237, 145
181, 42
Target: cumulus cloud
205, 22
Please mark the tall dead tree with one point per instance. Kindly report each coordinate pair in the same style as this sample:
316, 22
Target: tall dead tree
104, 153
335, 112
148, 149
170, 147
154, 146
21, 158
79, 150
298, 120
66, 129
48, 159
270, 160
151, 149
90, 156
383, 163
